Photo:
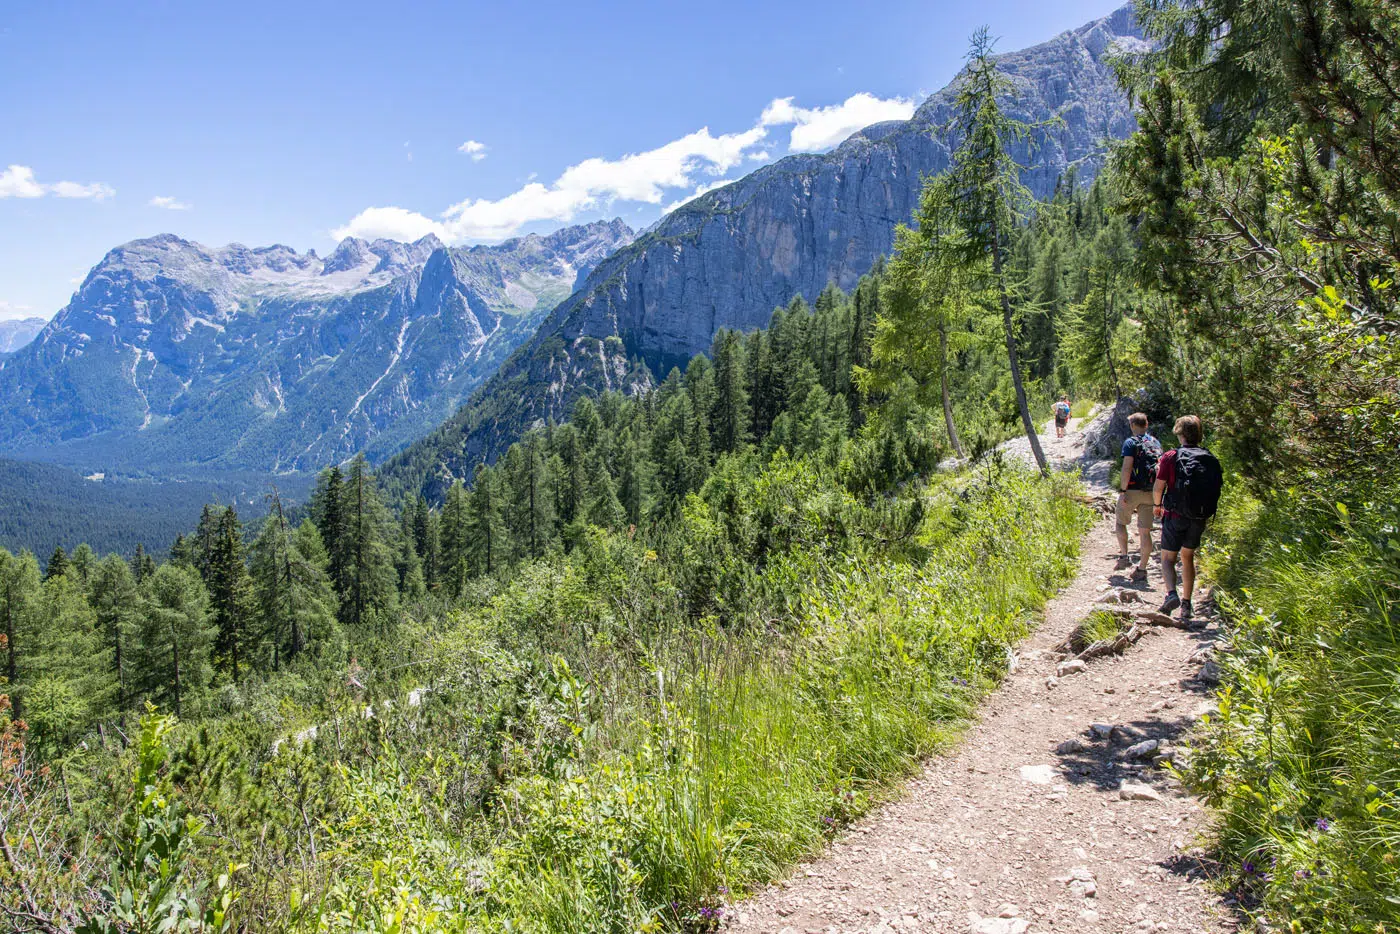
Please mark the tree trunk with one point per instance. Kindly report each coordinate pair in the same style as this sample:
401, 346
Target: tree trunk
12, 660
175, 658
947, 400
1108, 340
1013, 354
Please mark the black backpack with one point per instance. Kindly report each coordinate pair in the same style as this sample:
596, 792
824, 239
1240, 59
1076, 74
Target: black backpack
1196, 492
1146, 451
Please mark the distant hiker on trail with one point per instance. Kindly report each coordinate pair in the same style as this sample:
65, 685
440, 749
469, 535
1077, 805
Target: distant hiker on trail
1140, 454
1062, 410
1185, 495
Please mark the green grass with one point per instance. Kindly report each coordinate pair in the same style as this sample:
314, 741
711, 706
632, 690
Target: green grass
1302, 765
725, 756
1082, 408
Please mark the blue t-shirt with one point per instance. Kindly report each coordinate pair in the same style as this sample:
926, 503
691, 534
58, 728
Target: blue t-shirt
1144, 450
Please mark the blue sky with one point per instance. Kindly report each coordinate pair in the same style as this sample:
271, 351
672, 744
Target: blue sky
293, 123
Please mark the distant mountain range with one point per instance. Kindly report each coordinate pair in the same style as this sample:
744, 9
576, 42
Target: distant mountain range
16, 332
174, 355
729, 257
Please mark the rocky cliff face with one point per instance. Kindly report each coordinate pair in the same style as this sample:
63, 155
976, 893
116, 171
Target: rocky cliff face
16, 332
171, 353
729, 257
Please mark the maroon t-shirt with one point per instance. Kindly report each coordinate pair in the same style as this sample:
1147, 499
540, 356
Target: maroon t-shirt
1166, 472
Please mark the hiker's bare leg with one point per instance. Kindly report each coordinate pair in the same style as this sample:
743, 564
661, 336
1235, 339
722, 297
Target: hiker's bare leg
1169, 570
1188, 572
1122, 532
1144, 546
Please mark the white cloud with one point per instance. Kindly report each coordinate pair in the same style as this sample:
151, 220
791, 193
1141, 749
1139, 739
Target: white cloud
97, 191
474, 149
17, 181
13, 310
823, 127
644, 177
169, 203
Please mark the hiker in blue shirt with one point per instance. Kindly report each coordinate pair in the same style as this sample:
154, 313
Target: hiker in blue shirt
1140, 454
1062, 411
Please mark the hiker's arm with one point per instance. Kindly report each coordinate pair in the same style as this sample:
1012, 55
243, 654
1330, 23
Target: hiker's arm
1127, 477
1159, 489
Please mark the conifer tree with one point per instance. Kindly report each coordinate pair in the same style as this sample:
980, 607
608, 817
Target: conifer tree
230, 593
176, 637
484, 522
328, 512
730, 413
114, 597
72, 684
58, 563
369, 594
991, 197
19, 589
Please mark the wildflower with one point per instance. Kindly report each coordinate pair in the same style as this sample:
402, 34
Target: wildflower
1303, 874
1323, 824
828, 821
723, 890
1248, 867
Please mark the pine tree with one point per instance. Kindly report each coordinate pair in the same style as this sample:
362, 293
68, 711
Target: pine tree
328, 512
58, 563
991, 197
19, 589
176, 636
230, 593
454, 537
730, 414
142, 564
71, 686
294, 598
114, 597
484, 522
370, 594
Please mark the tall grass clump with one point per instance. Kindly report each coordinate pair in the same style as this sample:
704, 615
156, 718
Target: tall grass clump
1302, 763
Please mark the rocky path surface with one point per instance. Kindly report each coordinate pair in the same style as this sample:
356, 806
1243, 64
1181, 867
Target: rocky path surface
1051, 814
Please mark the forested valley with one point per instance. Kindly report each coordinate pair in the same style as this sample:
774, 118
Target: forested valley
655, 654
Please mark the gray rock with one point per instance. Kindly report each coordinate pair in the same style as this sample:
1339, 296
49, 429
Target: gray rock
1102, 730
1136, 791
1141, 750
1072, 667
1071, 746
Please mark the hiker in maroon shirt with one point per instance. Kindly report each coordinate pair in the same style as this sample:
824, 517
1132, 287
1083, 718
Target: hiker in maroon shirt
1184, 497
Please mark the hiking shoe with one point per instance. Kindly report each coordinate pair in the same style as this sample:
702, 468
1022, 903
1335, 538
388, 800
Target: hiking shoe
1124, 562
1185, 610
1139, 574
1169, 604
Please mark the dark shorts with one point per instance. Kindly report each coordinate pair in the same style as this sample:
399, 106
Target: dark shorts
1179, 532
1061, 422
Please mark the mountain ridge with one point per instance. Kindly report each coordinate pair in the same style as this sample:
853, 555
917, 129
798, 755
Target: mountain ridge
730, 256
176, 354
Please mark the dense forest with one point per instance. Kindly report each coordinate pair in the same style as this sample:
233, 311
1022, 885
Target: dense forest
654, 654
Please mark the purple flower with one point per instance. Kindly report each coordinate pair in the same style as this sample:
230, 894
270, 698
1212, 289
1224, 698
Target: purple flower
1323, 824
723, 890
828, 821
1303, 874
1248, 867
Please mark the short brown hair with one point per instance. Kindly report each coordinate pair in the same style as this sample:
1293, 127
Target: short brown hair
1137, 420
1188, 428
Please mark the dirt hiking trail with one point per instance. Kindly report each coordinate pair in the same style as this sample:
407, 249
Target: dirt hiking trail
1050, 814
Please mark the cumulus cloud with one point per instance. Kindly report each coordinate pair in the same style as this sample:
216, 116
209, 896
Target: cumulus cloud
818, 128
697, 162
17, 181
474, 149
642, 176
168, 203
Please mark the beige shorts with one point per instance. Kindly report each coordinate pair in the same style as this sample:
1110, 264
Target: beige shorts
1135, 500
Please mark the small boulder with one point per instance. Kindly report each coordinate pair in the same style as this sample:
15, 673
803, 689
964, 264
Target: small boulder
1141, 750
1136, 791
1070, 746
1101, 730
1210, 673
1072, 667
